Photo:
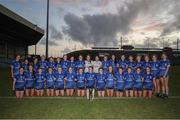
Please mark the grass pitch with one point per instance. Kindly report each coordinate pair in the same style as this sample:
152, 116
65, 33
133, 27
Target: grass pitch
64, 108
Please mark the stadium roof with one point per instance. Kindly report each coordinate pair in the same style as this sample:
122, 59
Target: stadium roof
15, 29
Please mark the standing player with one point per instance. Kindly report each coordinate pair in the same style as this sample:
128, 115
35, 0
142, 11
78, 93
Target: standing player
50, 82
19, 83
100, 83
15, 65
149, 82
58, 63
90, 83
51, 63
88, 63
96, 64
30, 79
43, 65
35, 65
113, 63
70, 82
59, 82
80, 63
122, 63
65, 64
25, 65
138, 83
40, 83
110, 79
72, 64
146, 63
129, 82
164, 74
155, 71
131, 63
105, 64
120, 83
139, 62
81, 82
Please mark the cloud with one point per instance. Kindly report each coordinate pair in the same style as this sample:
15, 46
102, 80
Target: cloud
50, 42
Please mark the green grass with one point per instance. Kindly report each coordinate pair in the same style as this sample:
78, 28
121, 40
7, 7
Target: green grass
82, 108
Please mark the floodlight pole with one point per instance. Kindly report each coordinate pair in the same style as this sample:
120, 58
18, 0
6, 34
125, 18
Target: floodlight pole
47, 29
177, 44
121, 42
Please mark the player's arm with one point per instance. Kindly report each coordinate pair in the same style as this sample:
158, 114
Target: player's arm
167, 70
14, 81
12, 75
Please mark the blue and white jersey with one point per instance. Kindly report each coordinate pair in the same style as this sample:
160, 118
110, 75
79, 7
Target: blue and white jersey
100, 81
81, 80
155, 68
29, 77
122, 64
70, 80
73, 65
39, 81
43, 64
119, 78
146, 64
113, 64
110, 80
59, 80
129, 77
131, 64
35, 67
80, 64
25, 66
51, 65
139, 64
65, 65
15, 66
90, 80
148, 78
105, 65
20, 81
58, 65
138, 77
163, 68
50, 78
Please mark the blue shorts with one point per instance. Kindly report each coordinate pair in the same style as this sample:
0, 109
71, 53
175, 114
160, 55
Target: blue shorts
19, 89
59, 86
120, 87
155, 74
50, 85
100, 86
39, 86
29, 84
162, 72
148, 86
138, 86
70, 85
129, 85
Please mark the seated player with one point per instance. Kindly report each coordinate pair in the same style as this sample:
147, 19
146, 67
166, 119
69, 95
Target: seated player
70, 82
50, 78
100, 83
105, 64
138, 83
155, 71
59, 82
90, 83
80, 63
80, 82
164, 75
129, 82
30, 80
19, 83
120, 83
96, 64
15, 65
40, 79
88, 63
148, 83
110, 79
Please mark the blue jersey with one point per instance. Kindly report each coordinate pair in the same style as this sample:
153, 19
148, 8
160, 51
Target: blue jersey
70, 80
120, 81
81, 80
25, 66
59, 81
50, 80
35, 67
113, 64
29, 77
105, 65
148, 82
73, 65
100, 81
110, 80
129, 81
139, 64
65, 65
15, 66
20, 81
138, 81
43, 66
39, 81
90, 80
122, 64
163, 68
131, 64
146, 64
80, 64
51, 65
58, 65
155, 68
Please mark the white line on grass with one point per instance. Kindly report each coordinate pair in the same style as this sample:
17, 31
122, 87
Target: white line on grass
69, 98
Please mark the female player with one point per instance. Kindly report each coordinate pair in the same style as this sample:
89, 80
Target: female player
120, 83
100, 83
15, 65
146, 62
35, 65
58, 63
70, 82
65, 64
110, 79
129, 82
131, 63
138, 83
105, 64
80, 63
96, 64
19, 83
80, 83
25, 65
90, 83
113, 63
72, 64
88, 63
139, 62
59, 82
148, 84
40, 79
51, 63
122, 63
155, 71
30, 79
164, 74
50, 82
43, 64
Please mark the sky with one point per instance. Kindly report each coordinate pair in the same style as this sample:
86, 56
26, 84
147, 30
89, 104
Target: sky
81, 24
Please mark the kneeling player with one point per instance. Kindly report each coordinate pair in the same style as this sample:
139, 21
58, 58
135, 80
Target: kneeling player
120, 83
59, 82
29, 76
149, 82
138, 80
110, 79
19, 83
80, 83
129, 82
70, 82
40, 83
100, 83
50, 82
